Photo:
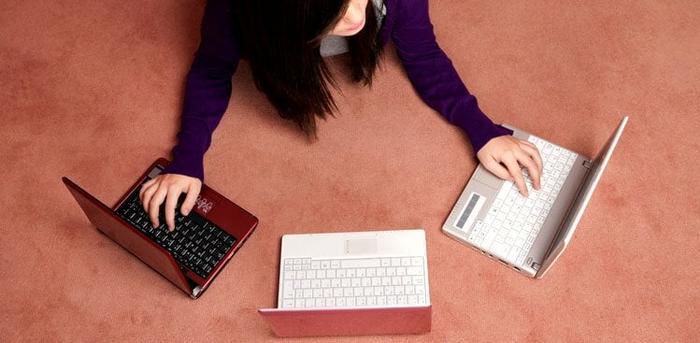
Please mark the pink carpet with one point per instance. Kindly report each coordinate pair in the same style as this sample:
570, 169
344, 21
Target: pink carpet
93, 90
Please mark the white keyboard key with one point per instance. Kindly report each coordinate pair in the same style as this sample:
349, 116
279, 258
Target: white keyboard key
288, 289
414, 271
363, 263
410, 289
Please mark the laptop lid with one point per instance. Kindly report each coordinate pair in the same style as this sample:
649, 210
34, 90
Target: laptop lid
348, 322
572, 218
128, 237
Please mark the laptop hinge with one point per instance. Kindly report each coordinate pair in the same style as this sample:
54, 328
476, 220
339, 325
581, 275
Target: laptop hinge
587, 164
534, 265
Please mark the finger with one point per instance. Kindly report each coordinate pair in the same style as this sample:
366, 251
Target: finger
527, 161
170, 202
535, 155
514, 169
145, 186
147, 195
188, 204
496, 168
154, 205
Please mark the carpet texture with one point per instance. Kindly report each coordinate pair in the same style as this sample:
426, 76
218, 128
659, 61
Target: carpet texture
93, 91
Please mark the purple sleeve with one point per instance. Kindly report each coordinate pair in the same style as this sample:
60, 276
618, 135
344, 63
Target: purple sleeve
207, 89
433, 76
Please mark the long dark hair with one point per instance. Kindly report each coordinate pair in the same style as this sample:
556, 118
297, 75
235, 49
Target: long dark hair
282, 41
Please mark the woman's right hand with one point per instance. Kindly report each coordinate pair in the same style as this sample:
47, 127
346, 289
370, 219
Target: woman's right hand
504, 156
168, 187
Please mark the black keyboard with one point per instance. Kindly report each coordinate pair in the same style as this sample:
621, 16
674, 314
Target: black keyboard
196, 243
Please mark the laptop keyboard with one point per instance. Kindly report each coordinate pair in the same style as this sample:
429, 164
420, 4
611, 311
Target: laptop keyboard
195, 243
513, 221
366, 282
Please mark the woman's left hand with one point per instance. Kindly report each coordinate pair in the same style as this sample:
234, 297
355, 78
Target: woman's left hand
504, 155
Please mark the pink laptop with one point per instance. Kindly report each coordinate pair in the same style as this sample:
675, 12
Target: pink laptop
352, 283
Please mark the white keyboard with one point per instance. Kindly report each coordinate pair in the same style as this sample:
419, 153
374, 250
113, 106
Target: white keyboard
513, 221
343, 283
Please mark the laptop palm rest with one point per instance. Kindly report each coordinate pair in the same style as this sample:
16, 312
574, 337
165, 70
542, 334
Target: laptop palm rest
135, 242
348, 322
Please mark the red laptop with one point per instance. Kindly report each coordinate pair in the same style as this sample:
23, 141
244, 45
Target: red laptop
191, 255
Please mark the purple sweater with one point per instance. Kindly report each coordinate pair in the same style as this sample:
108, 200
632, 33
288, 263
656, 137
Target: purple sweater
407, 24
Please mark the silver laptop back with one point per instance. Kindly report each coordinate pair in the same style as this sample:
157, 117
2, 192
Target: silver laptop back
572, 219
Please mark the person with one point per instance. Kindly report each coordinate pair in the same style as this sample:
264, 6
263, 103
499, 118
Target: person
285, 42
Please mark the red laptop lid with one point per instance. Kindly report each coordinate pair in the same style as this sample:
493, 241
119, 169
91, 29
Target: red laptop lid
128, 237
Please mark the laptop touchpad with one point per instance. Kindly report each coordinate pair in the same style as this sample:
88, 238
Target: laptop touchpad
486, 177
361, 246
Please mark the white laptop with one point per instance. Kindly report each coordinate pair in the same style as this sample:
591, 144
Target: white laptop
352, 283
529, 233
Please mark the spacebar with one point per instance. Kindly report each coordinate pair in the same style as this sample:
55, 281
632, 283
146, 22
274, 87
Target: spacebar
368, 263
